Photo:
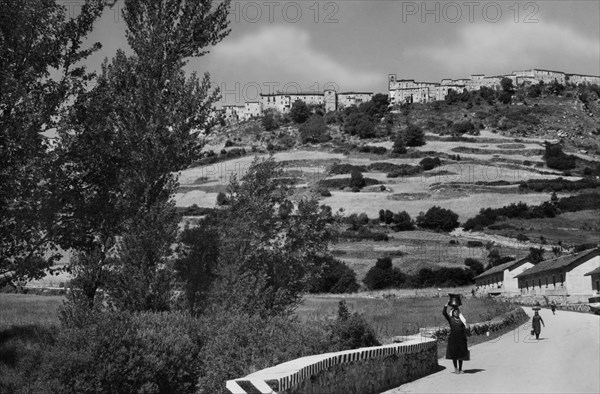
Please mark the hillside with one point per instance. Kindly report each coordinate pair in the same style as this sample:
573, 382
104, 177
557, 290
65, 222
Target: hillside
486, 167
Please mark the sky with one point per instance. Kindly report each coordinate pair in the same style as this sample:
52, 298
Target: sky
309, 45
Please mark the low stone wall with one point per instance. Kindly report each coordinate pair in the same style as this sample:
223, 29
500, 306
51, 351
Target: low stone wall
516, 316
576, 303
359, 371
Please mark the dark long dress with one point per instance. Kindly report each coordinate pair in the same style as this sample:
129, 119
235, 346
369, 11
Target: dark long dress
535, 323
457, 340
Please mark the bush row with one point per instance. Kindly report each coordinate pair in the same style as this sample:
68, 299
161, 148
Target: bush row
488, 216
173, 352
342, 183
558, 185
509, 319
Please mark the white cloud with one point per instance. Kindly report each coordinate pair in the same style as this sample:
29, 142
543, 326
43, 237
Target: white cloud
286, 54
509, 46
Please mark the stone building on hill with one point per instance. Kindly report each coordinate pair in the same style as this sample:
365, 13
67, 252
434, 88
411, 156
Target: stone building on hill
408, 91
331, 100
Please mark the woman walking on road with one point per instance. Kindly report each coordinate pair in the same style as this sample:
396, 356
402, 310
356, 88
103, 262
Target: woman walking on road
536, 320
457, 340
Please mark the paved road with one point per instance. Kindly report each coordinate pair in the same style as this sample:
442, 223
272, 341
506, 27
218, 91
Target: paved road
566, 359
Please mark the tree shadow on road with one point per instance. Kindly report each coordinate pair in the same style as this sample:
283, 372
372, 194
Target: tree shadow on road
473, 370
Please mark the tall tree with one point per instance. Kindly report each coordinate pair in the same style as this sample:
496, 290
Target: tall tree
124, 140
300, 112
36, 37
268, 255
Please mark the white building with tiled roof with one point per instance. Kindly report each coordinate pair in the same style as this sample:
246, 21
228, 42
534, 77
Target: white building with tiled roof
502, 278
564, 275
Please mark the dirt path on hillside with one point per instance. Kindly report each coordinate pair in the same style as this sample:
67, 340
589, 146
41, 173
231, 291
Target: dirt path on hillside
566, 359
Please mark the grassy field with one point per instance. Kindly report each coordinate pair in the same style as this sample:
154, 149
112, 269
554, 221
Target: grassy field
571, 228
400, 315
391, 312
26, 309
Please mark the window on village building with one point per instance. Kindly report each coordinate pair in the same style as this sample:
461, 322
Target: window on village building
546, 282
598, 285
540, 282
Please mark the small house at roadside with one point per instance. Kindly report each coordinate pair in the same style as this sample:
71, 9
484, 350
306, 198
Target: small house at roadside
595, 276
564, 275
502, 278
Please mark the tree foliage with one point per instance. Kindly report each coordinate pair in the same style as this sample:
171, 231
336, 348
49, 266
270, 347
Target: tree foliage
123, 140
413, 135
384, 275
438, 219
268, 256
300, 111
36, 36
359, 124
314, 130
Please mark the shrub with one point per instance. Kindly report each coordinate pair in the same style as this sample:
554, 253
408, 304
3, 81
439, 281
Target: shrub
384, 167
580, 202
123, 352
555, 158
399, 144
438, 219
300, 112
376, 150
413, 135
352, 331
222, 199
324, 192
336, 278
475, 265
341, 183
357, 180
270, 120
402, 222
404, 170
582, 247
194, 210
474, 244
360, 125
383, 275
237, 344
314, 131
430, 163
464, 128
365, 234
450, 277
346, 169
522, 237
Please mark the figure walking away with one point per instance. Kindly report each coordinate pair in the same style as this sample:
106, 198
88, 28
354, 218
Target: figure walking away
553, 307
537, 323
457, 340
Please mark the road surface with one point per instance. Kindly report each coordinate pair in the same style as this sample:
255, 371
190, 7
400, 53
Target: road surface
566, 359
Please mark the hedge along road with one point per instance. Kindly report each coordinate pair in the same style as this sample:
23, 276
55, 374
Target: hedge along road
566, 359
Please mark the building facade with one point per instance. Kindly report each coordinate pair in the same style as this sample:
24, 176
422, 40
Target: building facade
579, 79
502, 278
595, 277
409, 91
561, 276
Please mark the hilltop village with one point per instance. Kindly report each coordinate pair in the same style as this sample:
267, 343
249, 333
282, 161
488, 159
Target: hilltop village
399, 90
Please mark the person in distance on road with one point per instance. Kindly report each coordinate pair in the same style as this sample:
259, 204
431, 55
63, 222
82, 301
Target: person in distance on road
457, 340
553, 307
536, 321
